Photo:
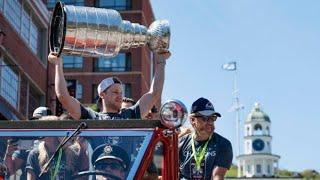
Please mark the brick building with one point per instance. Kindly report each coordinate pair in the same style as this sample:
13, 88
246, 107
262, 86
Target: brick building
26, 79
24, 83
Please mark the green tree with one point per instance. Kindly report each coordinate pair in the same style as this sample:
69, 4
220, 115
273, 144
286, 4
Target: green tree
233, 171
93, 107
285, 173
310, 174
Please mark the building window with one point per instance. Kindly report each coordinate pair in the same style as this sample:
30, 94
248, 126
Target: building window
257, 129
258, 168
12, 11
52, 3
79, 90
94, 93
72, 62
249, 169
25, 25
268, 169
120, 63
23, 98
35, 100
126, 90
268, 131
9, 84
115, 4
75, 88
20, 17
34, 37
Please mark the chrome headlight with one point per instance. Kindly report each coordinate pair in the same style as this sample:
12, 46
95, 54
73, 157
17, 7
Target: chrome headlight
173, 114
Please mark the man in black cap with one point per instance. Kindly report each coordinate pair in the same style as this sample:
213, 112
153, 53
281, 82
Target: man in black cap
204, 154
110, 159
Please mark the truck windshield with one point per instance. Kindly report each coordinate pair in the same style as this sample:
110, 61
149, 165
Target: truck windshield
113, 153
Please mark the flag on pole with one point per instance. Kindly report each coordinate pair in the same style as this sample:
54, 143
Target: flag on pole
230, 66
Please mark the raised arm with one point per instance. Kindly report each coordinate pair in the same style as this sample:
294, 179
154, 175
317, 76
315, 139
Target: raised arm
71, 104
150, 98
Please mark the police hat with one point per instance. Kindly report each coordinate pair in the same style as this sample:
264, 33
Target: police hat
106, 151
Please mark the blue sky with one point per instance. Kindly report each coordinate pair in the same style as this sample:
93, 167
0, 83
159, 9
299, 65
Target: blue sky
276, 45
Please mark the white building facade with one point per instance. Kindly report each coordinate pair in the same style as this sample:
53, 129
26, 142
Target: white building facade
257, 160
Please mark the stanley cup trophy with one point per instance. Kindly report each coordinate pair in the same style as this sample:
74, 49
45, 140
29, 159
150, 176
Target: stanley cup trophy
95, 32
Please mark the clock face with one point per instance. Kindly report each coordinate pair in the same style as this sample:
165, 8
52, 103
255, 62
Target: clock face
258, 145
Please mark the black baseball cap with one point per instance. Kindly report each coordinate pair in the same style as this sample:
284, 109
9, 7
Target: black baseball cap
106, 151
204, 107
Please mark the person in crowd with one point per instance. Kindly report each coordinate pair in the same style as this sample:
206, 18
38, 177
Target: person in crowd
84, 150
64, 165
3, 171
3, 167
183, 130
6, 163
110, 92
3, 147
12, 164
41, 111
18, 150
112, 160
127, 102
153, 114
204, 154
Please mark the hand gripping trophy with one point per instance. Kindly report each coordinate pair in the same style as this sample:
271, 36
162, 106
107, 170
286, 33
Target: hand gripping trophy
94, 32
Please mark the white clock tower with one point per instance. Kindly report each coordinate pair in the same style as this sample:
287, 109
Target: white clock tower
257, 160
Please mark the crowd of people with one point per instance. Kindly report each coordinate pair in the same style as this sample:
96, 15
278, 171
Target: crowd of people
203, 153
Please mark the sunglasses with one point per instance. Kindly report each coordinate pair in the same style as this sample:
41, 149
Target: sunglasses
105, 165
207, 118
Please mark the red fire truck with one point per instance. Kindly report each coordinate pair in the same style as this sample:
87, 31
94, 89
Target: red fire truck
150, 144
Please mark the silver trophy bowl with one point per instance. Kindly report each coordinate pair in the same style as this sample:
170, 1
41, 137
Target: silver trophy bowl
95, 32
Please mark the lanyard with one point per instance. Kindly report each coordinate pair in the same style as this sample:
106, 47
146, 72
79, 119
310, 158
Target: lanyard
56, 167
199, 155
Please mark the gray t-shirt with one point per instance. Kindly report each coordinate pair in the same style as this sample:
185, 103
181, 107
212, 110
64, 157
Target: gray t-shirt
219, 153
64, 171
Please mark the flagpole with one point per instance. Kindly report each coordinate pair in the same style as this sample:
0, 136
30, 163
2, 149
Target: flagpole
237, 109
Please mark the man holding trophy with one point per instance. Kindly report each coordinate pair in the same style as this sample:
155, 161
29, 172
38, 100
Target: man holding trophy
89, 31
